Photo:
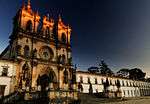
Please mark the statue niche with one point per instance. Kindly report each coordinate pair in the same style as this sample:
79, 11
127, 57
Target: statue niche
26, 74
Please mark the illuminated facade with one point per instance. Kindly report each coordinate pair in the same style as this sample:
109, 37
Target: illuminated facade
42, 51
116, 86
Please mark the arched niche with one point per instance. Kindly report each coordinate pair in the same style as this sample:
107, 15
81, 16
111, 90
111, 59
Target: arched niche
26, 51
62, 59
66, 76
26, 75
29, 26
63, 38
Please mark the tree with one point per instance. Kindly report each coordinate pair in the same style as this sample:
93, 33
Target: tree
147, 79
136, 74
104, 69
93, 69
123, 72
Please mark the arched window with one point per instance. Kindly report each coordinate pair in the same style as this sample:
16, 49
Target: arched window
26, 51
63, 37
29, 26
65, 76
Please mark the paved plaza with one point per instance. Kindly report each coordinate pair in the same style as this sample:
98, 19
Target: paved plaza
87, 99
144, 100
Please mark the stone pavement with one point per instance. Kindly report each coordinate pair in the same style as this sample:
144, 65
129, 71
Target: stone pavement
140, 100
88, 99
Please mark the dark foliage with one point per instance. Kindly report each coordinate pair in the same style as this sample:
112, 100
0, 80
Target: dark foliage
136, 74
123, 72
105, 69
93, 69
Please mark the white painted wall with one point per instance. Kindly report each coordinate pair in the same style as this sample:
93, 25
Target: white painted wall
7, 80
130, 88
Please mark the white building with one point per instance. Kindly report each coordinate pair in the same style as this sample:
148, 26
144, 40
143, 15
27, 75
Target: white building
128, 87
7, 77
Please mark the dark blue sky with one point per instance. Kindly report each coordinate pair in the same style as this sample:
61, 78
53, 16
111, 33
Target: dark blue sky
117, 31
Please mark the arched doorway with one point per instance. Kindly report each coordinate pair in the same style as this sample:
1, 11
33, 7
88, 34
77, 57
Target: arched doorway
46, 79
43, 81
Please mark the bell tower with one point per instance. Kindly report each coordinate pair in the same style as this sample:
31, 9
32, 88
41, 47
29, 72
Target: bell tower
21, 46
29, 20
48, 26
64, 32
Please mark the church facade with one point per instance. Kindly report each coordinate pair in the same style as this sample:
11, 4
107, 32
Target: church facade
41, 50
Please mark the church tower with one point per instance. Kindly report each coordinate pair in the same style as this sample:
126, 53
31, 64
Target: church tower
42, 51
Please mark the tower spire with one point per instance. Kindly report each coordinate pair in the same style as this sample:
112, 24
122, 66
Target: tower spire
29, 4
59, 18
23, 4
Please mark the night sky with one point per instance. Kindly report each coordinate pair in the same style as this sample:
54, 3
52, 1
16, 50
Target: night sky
117, 31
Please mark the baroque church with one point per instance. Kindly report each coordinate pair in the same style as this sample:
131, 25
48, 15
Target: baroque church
42, 54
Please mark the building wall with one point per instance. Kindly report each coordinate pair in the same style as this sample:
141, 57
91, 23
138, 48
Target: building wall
128, 88
9, 79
